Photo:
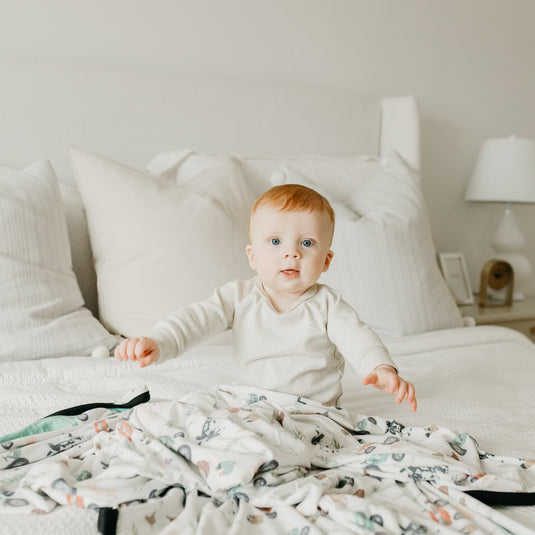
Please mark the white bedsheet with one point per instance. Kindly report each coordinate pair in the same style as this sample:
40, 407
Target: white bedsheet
478, 380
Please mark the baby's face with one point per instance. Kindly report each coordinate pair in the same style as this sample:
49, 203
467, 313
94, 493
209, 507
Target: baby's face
289, 250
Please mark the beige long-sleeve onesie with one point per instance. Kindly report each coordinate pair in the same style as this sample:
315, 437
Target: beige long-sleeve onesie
301, 351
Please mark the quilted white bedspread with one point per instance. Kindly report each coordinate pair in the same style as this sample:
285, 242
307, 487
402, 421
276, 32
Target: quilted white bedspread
478, 380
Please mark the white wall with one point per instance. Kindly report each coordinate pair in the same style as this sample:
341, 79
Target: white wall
470, 63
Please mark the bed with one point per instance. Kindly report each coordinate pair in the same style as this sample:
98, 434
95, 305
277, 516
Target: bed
107, 233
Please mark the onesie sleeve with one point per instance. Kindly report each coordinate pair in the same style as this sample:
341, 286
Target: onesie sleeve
356, 341
195, 323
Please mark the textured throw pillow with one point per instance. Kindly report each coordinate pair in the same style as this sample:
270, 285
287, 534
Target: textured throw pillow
384, 257
158, 245
41, 307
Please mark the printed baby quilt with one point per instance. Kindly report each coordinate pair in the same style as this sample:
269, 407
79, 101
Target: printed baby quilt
242, 460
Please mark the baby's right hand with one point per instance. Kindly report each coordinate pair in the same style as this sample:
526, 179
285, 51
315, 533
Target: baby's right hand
144, 350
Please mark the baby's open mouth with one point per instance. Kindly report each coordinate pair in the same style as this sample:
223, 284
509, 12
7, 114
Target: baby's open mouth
290, 272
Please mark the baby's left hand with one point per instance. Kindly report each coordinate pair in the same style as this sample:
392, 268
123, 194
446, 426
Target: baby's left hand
386, 378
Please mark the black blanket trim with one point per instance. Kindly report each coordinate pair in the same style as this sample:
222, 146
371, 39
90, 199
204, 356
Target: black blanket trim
79, 409
490, 497
108, 516
107, 520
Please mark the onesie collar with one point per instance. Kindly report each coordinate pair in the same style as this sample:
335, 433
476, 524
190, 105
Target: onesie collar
303, 297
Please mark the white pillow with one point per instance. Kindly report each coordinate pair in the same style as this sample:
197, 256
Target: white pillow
41, 307
157, 245
341, 175
384, 257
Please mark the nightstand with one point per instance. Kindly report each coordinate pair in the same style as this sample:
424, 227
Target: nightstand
520, 316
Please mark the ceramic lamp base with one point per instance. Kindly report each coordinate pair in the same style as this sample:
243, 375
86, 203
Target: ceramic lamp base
509, 241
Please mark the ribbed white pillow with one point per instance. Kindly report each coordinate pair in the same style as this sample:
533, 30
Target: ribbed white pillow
158, 245
384, 256
41, 307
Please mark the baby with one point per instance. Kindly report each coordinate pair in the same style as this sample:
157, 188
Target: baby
289, 333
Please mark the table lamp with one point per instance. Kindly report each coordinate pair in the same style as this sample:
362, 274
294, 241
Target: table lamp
505, 173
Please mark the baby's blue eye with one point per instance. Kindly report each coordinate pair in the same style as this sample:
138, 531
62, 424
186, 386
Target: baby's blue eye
306, 243
275, 241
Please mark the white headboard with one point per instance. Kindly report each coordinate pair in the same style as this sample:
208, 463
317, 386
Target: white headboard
131, 115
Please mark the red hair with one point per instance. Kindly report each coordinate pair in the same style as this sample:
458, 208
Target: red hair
293, 197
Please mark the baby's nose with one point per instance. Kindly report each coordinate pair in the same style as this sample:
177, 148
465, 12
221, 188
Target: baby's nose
292, 253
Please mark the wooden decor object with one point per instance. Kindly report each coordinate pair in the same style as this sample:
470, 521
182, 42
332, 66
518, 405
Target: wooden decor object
496, 275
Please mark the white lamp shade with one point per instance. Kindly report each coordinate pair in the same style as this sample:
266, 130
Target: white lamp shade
504, 171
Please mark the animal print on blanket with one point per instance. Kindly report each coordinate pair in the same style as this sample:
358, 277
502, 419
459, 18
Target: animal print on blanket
248, 461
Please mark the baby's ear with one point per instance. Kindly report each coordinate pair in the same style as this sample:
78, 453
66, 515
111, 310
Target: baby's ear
328, 260
250, 255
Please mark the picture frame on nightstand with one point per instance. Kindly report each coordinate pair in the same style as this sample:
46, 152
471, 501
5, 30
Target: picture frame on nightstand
455, 272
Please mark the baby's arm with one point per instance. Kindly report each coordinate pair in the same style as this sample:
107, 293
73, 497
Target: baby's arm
363, 349
386, 378
182, 330
143, 349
